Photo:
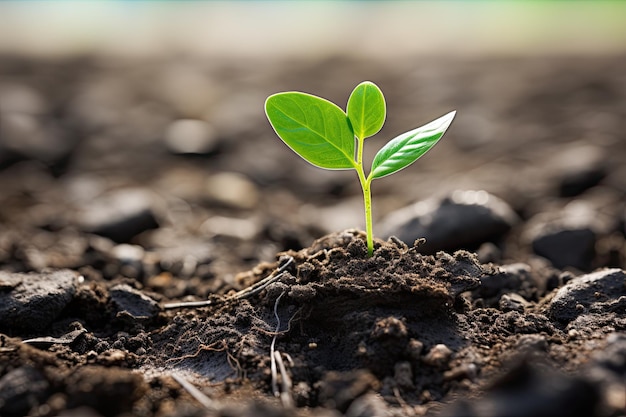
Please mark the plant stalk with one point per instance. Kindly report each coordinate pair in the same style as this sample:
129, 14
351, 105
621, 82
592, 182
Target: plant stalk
367, 196
367, 200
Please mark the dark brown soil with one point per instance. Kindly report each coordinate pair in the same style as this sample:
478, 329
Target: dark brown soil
139, 279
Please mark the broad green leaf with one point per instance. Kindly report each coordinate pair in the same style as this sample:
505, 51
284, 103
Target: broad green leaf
312, 127
366, 109
408, 147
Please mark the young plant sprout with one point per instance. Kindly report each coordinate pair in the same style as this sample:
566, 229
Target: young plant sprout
327, 137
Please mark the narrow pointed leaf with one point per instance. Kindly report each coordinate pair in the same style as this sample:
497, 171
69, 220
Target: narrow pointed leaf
408, 147
366, 109
314, 128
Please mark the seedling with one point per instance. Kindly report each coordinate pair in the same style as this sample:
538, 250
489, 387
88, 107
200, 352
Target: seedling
325, 136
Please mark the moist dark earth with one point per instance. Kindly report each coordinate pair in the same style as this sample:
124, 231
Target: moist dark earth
162, 253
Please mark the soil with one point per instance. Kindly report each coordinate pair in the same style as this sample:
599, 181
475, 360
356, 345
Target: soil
163, 254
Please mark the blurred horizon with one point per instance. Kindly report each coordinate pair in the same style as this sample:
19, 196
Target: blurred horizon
311, 29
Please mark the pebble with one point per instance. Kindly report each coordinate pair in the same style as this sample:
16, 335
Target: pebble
367, 405
126, 253
464, 219
403, 375
513, 302
190, 136
232, 190
25, 131
580, 168
509, 277
389, 328
339, 389
463, 371
29, 136
31, 302
130, 258
414, 349
110, 389
182, 260
532, 343
133, 302
22, 389
527, 390
243, 229
119, 215
566, 238
489, 253
438, 355
598, 292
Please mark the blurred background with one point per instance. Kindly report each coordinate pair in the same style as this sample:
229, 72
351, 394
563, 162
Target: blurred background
133, 138
271, 30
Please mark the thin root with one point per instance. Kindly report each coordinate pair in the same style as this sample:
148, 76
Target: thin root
205, 401
246, 292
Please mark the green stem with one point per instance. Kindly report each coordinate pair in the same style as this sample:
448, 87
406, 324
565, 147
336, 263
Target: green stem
367, 197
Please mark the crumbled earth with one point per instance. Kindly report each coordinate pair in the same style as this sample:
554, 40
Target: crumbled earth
163, 254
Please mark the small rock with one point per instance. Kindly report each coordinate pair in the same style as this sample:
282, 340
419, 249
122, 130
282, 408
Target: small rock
244, 229
510, 277
22, 389
130, 258
189, 136
608, 368
35, 300
414, 349
528, 391
389, 328
532, 343
128, 253
438, 356
183, 259
592, 293
110, 390
119, 215
367, 405
29, 136
463, 371
232, 190
489, 253
133, 302
580, 168
403, 375
513, 302
566, 238
465, 219
339, 389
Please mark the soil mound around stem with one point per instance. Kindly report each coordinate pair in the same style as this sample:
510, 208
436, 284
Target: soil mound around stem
333, 308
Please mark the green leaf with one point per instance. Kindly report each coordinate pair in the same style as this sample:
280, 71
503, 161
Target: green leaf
366, 109
312, 127
408, 147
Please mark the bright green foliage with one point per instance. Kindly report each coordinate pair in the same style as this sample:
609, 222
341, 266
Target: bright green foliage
324, 135
366, 110
314, 128
405, 149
